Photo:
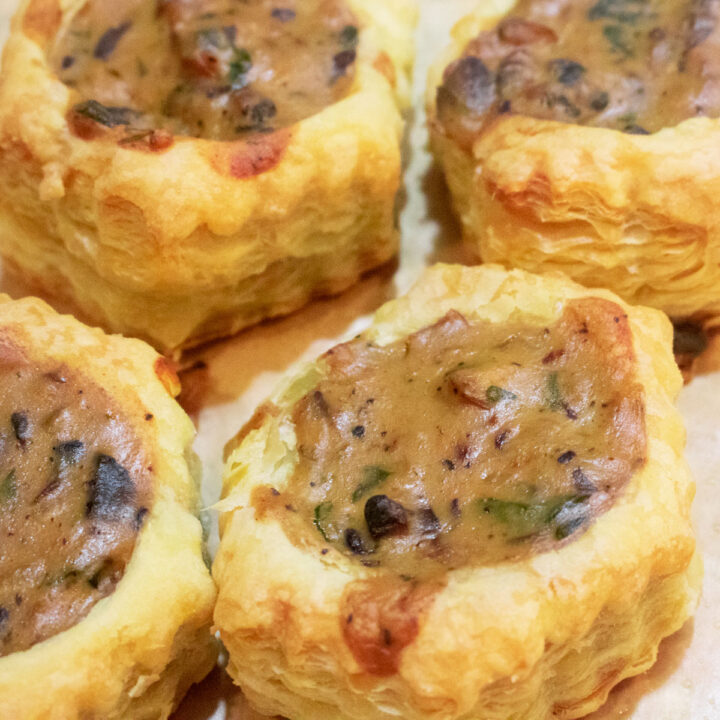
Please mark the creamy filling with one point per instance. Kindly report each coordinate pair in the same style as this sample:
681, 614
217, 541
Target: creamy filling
74, 492
468, 443
218, 69
636, 66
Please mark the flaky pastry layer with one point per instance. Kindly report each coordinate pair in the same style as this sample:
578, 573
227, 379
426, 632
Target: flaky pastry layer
545, 636
633, 213
188, 243
139, 649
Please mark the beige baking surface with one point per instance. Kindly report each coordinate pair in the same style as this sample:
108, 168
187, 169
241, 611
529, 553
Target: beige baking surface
238, 374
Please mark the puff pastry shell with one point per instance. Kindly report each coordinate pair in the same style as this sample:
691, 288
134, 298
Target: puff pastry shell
170, 246
139, 649
547, 636
633, 213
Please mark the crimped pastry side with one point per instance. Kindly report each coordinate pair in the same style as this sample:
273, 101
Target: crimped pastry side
633, 213
280, 288
139, 649
181, 250
548, 636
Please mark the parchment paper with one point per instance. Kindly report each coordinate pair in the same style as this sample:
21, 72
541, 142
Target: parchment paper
223, 384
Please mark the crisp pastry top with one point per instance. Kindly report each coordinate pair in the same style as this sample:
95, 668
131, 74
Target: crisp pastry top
74, 493
215, 69
630, 65
464, 444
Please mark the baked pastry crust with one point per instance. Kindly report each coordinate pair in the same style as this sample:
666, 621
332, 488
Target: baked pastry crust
139, 649
629, 212
548, 635
182, 245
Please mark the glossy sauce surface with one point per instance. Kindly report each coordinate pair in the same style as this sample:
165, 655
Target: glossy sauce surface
636, 66
74, 492
219, 69
469, 443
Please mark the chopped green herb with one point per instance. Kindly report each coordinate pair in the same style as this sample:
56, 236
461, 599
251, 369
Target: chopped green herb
239, 68
622, 11
553, 396
615, 35
495, 394
8, 487
322, 513
373, 475
349, 37
523, 519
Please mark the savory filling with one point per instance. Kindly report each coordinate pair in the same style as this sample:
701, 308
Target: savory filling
74, 493
467, 443
218, 69
632, 65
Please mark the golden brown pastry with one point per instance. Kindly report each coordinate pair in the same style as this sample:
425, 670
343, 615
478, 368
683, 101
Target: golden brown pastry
105, 598
477, 509
580, 136
180, 170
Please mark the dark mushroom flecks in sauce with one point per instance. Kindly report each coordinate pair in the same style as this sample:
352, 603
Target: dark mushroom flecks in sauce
466, 444
469, 442
632, 65
74, 492
219, 69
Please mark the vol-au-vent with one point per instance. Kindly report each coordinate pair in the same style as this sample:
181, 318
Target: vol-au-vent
177, 171
105, 597
581, 137
458, 508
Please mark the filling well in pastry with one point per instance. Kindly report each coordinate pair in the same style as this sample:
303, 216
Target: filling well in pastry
218, 69
467, 443
636, 66
74, 492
